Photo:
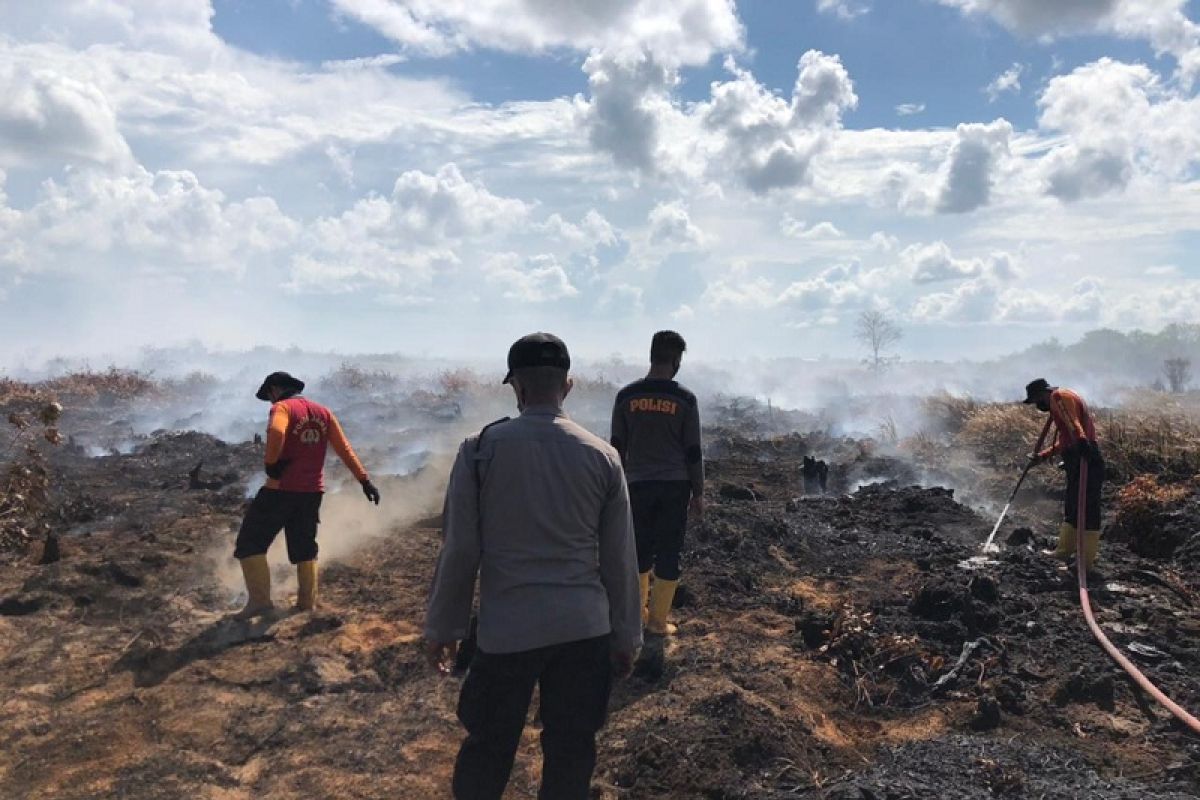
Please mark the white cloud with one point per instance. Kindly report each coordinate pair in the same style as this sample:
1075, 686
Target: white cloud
983, 300
448, 205
537, 279
154, 71
169, 25
973, 301
934, 262
676, 32
591, 232
342, 162
767, 142
405, 239
909, 109
1007, 81
1162, 23
671, 225
843, 9
631, 101
820, 297
621, 298
744, 134
969, 173
48, 116
832, 289
1074, 172
1118, 120
746, 293
883, 242
164, 221
798, 229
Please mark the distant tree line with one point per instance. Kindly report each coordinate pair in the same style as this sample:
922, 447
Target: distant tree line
1162, 360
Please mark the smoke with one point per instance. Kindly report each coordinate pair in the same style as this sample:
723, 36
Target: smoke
406, 416
349, 523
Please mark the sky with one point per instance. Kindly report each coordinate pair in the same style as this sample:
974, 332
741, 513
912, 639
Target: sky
438, 177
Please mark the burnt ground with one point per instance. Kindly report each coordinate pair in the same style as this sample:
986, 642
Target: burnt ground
829, 647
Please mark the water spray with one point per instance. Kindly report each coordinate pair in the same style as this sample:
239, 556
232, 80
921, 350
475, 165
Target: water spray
989, 546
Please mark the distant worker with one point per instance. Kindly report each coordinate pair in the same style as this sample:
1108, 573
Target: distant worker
299, 433
537, 507
656, 429
1075, 441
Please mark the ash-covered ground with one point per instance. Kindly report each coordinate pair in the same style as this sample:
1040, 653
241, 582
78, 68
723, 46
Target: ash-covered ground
829, 646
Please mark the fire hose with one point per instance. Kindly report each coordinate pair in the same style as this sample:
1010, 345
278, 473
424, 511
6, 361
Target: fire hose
1180, 713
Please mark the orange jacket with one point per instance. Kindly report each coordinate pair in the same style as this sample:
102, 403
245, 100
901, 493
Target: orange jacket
1072, 422
299, 432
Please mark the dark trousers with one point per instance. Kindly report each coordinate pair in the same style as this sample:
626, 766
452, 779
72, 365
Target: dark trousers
1095, 482
297, 513
660, 511
575, 679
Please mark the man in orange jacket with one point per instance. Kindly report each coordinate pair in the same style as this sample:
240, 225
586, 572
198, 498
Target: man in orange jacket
298, 436
1075, 441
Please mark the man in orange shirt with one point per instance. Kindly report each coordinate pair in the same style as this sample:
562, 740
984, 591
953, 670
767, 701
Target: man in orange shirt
298, 436
1074, 440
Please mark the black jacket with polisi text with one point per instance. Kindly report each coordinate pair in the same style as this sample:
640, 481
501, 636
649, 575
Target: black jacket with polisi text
656, 429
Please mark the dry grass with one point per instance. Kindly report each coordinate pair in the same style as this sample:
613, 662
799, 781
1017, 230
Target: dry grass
1000, 435
1144, 503
349, 377
110, 385
25, 500
949, 413
1158, 436
1163, 440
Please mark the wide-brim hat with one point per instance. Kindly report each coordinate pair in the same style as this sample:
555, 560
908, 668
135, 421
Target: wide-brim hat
1035, 388
281, 379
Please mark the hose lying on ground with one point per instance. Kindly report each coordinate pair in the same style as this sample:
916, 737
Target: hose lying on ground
1180, 713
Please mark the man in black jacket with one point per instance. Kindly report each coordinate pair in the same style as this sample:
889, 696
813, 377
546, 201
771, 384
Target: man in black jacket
656, 429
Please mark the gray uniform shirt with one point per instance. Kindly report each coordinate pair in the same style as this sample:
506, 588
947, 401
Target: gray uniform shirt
548, 531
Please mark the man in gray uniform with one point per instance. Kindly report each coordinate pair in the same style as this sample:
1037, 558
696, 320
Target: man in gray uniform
539, 509
656, 429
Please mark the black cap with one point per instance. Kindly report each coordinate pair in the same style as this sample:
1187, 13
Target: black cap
1035, 388
537, 350
281, 379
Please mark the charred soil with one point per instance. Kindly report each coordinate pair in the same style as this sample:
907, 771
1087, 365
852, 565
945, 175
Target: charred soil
829, 646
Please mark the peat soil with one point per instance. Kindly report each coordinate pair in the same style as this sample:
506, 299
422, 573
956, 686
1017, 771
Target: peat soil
831, 646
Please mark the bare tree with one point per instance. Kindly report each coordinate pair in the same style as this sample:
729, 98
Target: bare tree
1178, 372
876, 331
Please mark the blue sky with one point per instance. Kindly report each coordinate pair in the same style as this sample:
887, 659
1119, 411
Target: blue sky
427, 175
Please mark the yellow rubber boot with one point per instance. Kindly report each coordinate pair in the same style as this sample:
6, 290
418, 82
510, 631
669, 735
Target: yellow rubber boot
257, 574
644, 590
1091, 548
662, 594
306, 576
1066, 542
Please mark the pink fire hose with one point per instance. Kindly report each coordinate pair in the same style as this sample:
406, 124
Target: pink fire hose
1081, 518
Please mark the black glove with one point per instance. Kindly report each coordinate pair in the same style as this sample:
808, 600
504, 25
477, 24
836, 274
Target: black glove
371, 492
275, 470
